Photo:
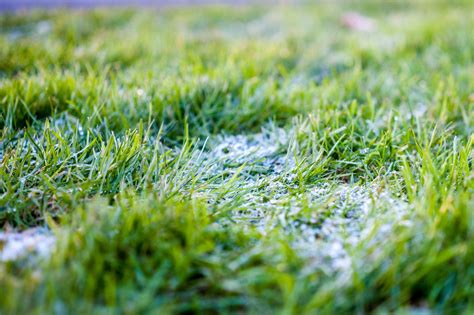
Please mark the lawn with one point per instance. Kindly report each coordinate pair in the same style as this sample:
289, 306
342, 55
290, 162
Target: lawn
238, 160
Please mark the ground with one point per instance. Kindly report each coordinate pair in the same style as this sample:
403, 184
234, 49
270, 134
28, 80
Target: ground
288, 159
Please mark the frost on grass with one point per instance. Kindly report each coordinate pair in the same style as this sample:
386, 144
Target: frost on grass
251, 179
30, 244
327, 236
255, 171
325, 220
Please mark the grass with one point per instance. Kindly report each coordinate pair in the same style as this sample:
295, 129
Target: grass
244, 160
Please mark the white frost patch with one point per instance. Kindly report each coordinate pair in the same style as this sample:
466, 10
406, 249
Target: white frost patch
354, 211
325, 220
265, 170
253, 148
32, 243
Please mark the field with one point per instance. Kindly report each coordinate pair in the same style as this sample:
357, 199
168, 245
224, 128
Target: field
252, 160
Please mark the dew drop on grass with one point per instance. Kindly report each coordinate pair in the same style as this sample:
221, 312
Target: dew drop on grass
140, 92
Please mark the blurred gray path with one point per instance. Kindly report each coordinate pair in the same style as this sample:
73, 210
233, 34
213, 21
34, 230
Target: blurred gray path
30, 4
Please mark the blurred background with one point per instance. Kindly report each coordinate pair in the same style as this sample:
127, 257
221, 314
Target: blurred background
31, 4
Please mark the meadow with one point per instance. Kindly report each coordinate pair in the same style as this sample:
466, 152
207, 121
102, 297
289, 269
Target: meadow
238, 160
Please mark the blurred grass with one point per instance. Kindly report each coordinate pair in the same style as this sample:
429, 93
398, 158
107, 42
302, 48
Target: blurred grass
104, 117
